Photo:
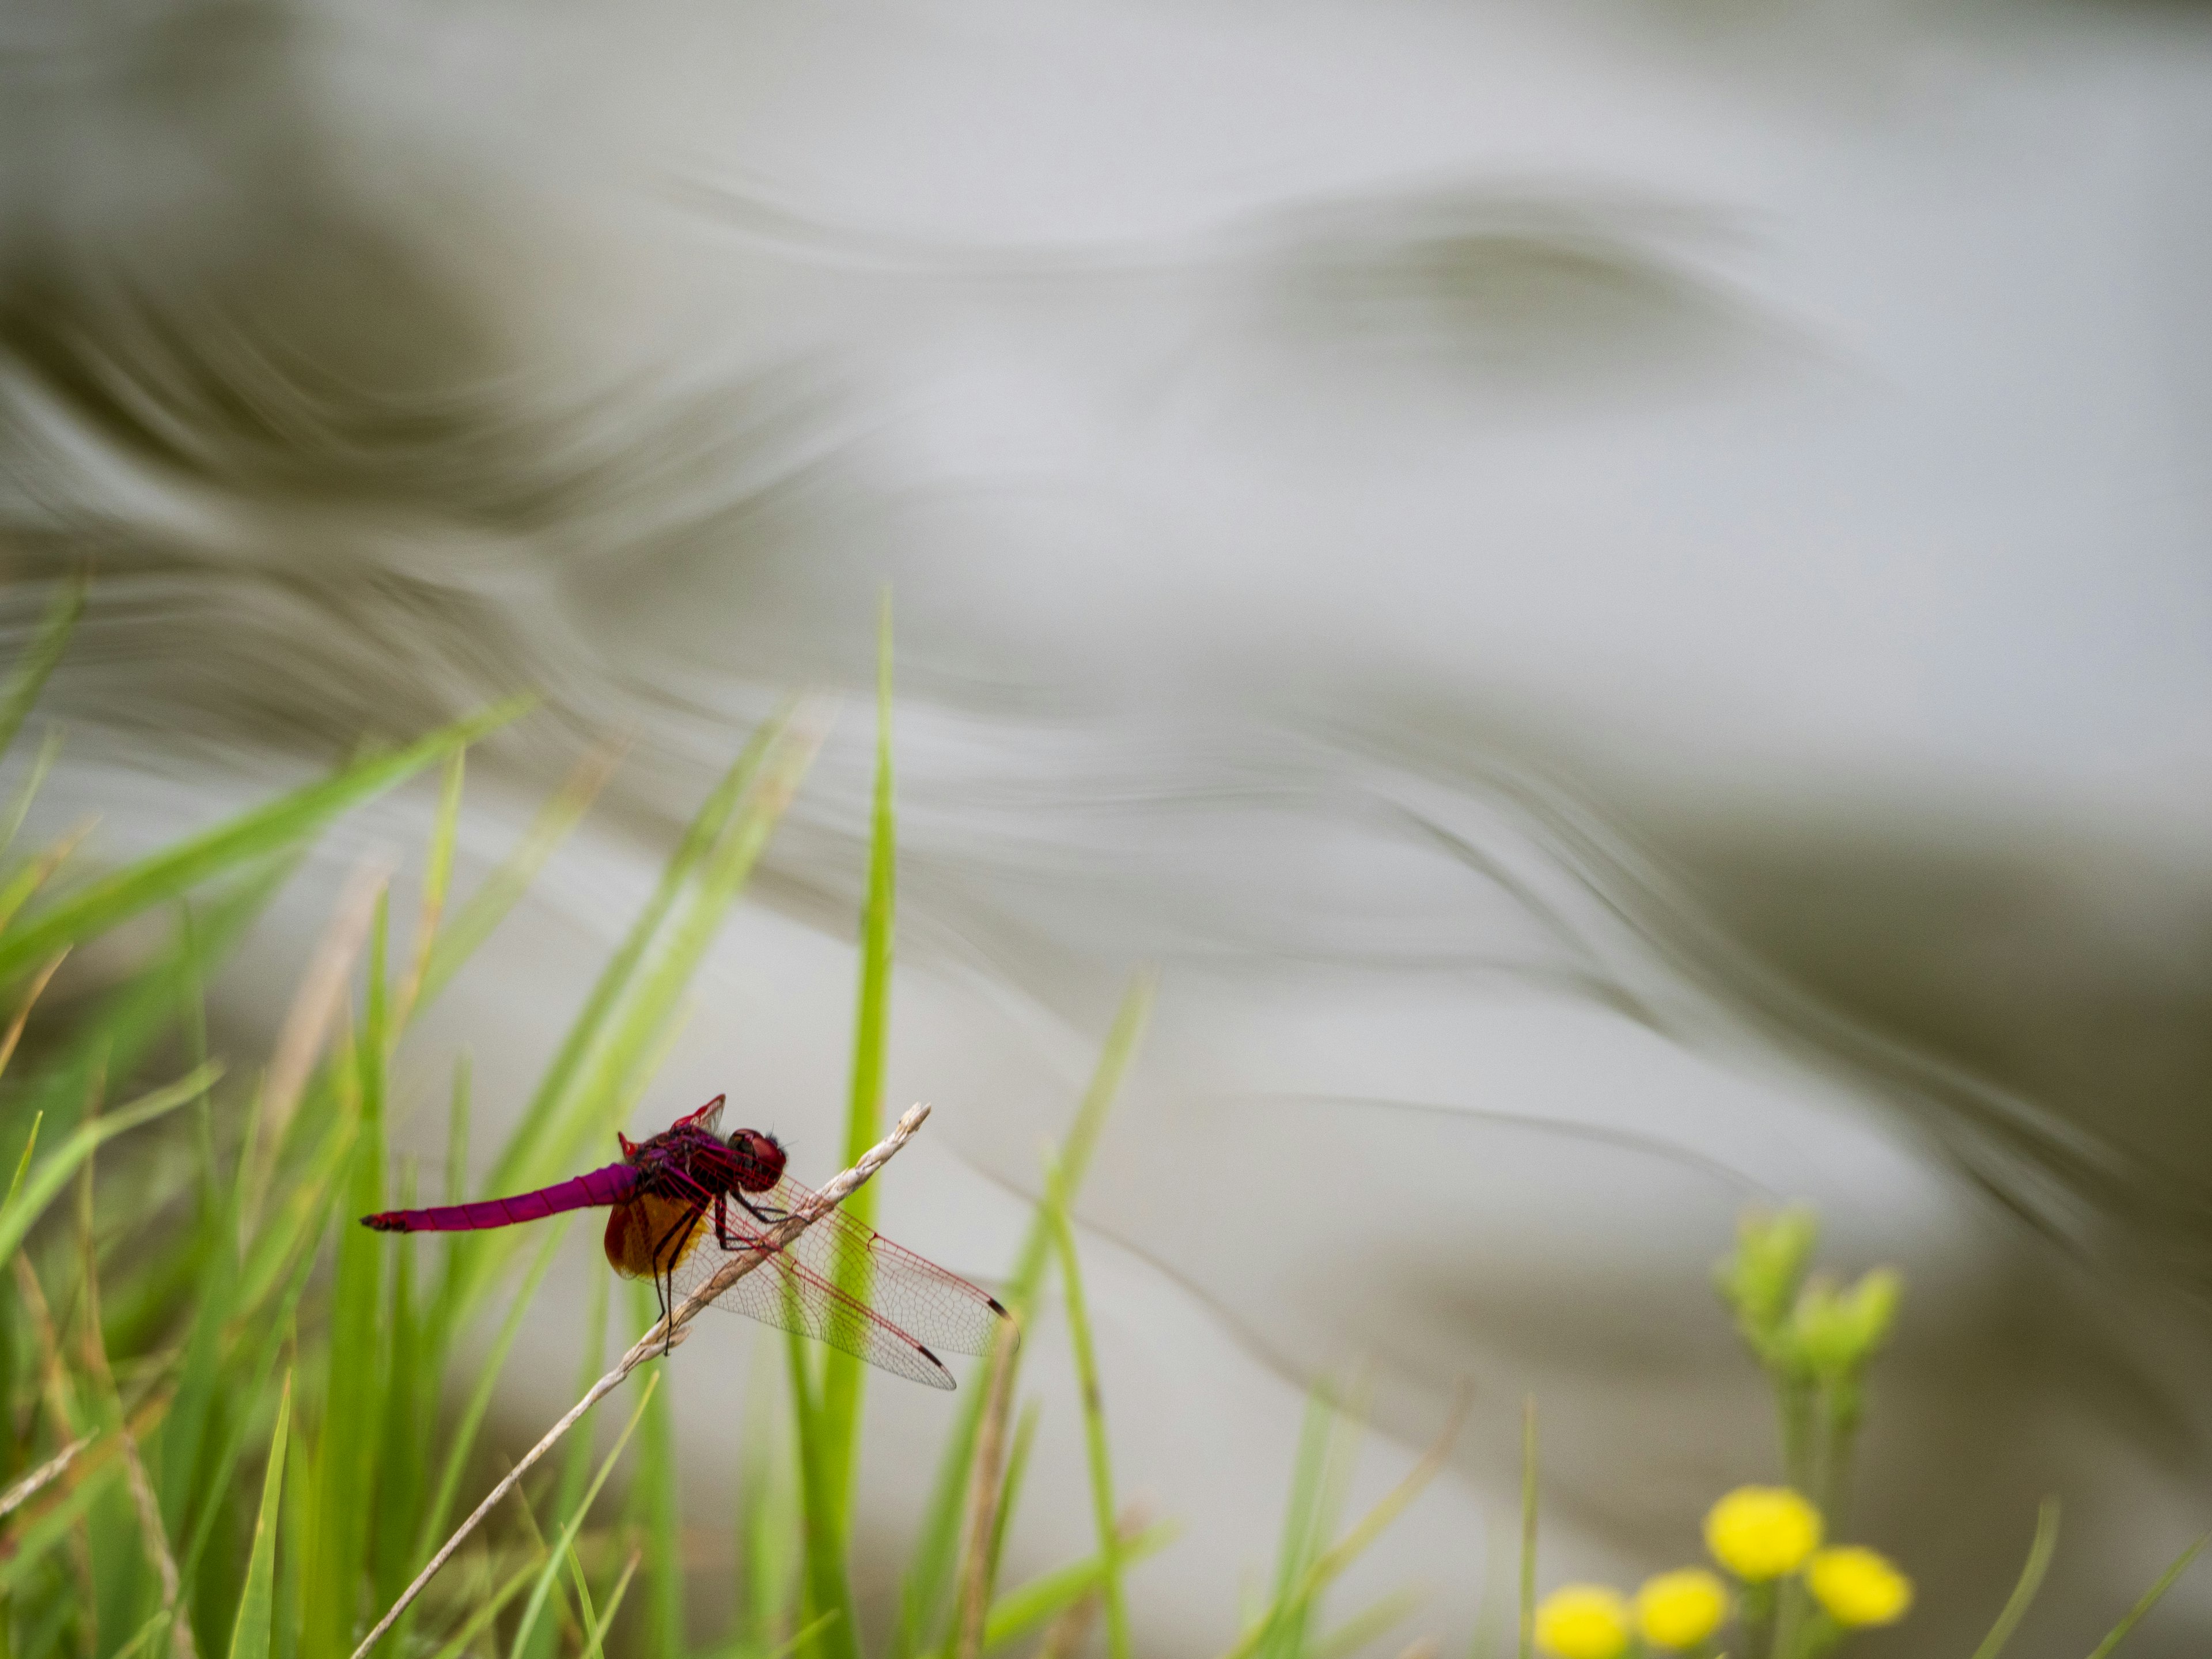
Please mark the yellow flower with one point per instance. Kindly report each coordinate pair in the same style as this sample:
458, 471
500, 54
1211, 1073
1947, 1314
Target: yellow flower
1582, 1621
1680, 1609
1760, 1533
1858, 1586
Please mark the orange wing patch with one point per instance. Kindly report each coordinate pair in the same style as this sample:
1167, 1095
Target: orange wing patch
635, 1228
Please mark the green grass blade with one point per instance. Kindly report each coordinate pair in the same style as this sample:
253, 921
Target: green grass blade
145, 1634
437, 877
1022, 1612
1333, 1560
34, 873
250, 1635
595, 1637
202, 1378
655, 1496
637, 1000
526, 1154
2030, 1580
1010, 1490
843, 1378
23, 1163
768, 1522
34, 1541
472, 923
1369, 1623
260, 1365
1302, 1526
576, 1458
2150, 1598
294, 1547
19, 809
124, 1028
1304, 1529
1497, 1592
833, 1630
162, 876
47, 647
587, 1617
23, 1209
1094, 1417
402, 1444
352, 1416
927, 1594
291, 1229
1527, 1614
472, 1414
544, 1587
456, 1131
481, 1616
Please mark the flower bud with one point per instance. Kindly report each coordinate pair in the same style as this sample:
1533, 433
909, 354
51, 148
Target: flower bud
1760, 1280
1856, 1586
1760, 1533
1824, 1336
1872, 1305
1680, 1609
1582, 1621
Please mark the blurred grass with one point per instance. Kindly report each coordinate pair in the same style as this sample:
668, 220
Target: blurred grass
221, 1253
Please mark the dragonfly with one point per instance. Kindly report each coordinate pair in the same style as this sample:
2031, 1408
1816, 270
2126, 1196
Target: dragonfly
687, 1201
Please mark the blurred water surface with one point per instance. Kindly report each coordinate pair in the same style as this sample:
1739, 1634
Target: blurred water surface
1618, 593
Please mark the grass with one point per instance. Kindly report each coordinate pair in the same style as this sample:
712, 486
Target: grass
237, 1424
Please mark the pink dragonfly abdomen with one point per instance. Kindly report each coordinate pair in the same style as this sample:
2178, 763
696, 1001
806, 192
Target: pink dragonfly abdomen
612, 1184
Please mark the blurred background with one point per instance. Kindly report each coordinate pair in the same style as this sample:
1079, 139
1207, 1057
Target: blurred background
1616, 591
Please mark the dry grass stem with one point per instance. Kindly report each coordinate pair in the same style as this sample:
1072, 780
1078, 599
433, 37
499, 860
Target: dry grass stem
157, 1543
1354, 1543
664, 1334
53, 1381
577, 792
52, 858
23, 1014
1348, 1548
1068, 1633
988, 1485
1064, 1636
134, 1467
43, 1476
309, 1021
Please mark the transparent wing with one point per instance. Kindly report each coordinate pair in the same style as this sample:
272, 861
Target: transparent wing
845, 1284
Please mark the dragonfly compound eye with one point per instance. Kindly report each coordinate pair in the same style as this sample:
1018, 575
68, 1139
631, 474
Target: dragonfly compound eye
760, 1160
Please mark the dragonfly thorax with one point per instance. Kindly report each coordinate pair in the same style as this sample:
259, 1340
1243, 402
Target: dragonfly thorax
690, 1158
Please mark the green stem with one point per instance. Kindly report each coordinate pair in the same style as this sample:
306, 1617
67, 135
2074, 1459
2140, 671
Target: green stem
1842, 1417
1794, 1400
1094, 1417
1757, 1620
1528, 1528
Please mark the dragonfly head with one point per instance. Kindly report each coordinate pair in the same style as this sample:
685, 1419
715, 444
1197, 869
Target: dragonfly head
760, 1159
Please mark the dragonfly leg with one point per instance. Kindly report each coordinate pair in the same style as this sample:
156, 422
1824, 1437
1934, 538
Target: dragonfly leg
724, 1236
671, 1248
762, 1213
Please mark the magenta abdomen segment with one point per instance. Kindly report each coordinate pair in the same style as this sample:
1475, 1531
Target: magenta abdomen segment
611, 1185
